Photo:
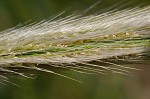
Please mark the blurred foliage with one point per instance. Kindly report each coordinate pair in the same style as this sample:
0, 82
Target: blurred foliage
49, 86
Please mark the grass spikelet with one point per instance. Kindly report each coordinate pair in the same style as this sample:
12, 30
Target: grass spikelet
75, 42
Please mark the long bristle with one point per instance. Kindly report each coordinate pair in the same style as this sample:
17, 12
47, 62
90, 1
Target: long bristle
78, 40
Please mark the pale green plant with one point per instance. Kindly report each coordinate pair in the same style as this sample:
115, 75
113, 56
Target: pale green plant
74, 42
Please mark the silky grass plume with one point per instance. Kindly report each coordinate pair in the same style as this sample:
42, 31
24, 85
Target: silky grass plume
77, 43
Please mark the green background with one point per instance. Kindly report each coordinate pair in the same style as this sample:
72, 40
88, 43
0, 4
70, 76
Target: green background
49, 86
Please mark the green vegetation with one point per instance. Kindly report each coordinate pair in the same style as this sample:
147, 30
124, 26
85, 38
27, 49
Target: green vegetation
47, 59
